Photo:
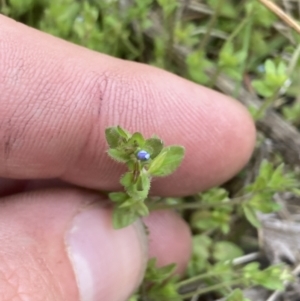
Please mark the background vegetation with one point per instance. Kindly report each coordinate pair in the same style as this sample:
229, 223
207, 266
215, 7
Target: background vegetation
239, 47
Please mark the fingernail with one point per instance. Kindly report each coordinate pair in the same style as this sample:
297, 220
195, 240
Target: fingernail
108, 264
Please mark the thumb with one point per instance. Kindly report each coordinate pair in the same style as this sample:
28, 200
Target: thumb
60, 246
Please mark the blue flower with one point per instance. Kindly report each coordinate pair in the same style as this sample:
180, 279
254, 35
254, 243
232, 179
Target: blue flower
143, 155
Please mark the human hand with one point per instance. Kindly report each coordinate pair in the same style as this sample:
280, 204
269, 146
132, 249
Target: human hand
57, 242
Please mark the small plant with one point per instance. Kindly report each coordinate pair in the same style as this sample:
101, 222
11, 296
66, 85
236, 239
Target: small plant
230, 60
159, 284
259, 194
145, 159
292, 113
224, 274
274, 80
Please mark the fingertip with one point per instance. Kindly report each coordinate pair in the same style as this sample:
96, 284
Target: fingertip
103, 257
60, 245
169, 239
217, 132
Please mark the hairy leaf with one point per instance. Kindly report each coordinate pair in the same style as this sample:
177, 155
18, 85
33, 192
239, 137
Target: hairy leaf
118, 155
154, 146
118, 196
123, 217
167, 161
113, 137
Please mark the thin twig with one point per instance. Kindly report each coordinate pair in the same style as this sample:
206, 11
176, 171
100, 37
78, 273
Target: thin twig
246, 258
281, 14
294, 60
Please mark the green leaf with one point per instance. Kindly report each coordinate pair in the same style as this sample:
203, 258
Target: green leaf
123, 217
266, 169
262, 89
201, 246
225, 250
241, 56
233, 73
131, 165
143, 183
270, 67
154, 146
271, 278
167, 161
211, 219
251, 216
21, 6
122, 132
118, 155
129, 204
201, 254
113, 137
197, 64
167, 291
214, 195
136, 140
118, 197
228, 10
259, 185
161, 284
142, 209
127, 179
264, 202
157, 163
135, 192
251, 267
158, 275
282, 69
237, 295
277, 177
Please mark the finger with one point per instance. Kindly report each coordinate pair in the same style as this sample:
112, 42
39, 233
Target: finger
9, 186
57, 99
59, 245
161, 237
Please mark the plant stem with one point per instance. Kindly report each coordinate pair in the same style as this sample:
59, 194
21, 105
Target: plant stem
211, 288
239, 28
200, 277
281, 14
245, 49
229, 40
294, 60
210, 26
215, 76
234, 201
266, 104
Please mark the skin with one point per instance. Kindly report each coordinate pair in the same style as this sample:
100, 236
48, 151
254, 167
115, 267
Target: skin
56, 100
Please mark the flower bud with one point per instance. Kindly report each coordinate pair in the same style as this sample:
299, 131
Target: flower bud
143, 155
